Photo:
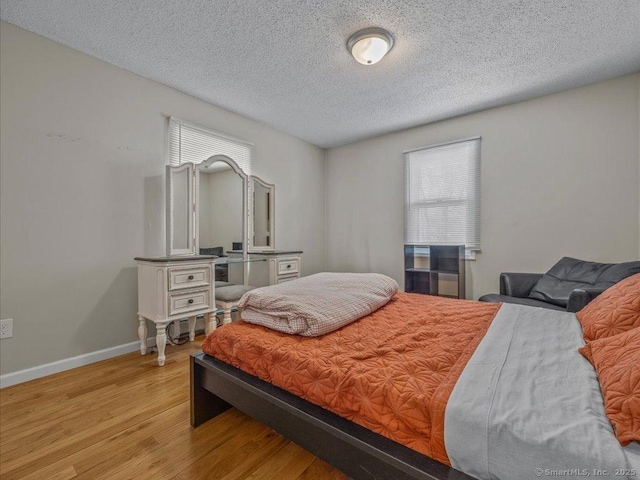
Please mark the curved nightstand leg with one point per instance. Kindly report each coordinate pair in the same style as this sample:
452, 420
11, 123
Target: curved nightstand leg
142, 333
161, 340
192, 328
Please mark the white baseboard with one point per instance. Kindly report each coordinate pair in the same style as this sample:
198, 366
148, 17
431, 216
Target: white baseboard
40, 371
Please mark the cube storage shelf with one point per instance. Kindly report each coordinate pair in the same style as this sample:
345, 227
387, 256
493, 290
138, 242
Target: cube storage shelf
435, 270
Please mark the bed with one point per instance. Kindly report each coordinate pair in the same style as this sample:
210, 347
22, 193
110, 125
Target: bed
508, 377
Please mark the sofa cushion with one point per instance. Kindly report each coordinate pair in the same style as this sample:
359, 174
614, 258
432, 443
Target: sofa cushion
556, 285
495, 298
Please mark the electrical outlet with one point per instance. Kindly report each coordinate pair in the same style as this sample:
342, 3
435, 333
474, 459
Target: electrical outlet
6, 328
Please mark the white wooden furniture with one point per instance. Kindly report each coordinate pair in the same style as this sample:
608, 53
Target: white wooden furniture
173, 288
181, 285
282, 266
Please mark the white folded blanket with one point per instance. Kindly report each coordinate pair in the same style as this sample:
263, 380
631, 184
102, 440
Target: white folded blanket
318, 304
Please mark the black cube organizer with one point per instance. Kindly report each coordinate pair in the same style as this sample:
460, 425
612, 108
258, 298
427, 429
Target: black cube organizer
429, 268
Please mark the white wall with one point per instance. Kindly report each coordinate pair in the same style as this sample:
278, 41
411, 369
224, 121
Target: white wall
560, 176
82, 193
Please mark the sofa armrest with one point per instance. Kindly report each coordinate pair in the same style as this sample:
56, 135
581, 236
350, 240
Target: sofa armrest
580, 297
518, 284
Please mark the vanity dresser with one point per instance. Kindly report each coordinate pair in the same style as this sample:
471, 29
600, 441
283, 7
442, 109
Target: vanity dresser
212, 205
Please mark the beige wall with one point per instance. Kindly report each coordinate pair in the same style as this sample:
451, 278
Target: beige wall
82, 193
559, 177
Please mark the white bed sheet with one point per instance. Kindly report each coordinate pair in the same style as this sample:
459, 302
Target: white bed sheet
528, 405
632, 451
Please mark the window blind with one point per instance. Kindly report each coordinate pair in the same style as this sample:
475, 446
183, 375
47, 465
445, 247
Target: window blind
194, 144
442, 195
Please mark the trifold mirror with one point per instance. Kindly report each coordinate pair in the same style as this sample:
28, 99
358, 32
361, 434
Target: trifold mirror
209, 212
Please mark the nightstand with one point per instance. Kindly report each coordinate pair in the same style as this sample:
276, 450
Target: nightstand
173, 288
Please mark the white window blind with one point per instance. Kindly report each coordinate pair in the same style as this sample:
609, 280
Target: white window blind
194, 144
442, 195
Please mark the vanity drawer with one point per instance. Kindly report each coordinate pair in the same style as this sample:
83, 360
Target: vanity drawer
287, 278
288, 265
180, 278
189, 301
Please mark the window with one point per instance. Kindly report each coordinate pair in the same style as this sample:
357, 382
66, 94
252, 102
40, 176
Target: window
442, 195
192, 143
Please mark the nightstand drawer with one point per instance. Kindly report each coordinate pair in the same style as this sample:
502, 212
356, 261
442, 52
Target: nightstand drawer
180, 278
189, 301
287, 266
287, 278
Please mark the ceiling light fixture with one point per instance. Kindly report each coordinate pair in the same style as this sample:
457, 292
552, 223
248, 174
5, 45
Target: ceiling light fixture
368, 46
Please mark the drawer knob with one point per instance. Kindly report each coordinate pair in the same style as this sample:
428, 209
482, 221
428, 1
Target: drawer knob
190, 300
190, 277
289, 266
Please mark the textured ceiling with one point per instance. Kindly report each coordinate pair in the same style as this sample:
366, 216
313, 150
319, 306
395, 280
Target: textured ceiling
284, 62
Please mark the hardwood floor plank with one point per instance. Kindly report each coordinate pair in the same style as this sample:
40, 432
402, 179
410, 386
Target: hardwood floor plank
187, 449
94, 455
178, 448
126, 417
66, 474
288, 464
78, 438
321, 469
271, 445
223, 459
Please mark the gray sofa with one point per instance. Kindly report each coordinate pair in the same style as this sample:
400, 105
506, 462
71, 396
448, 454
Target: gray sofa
569, 285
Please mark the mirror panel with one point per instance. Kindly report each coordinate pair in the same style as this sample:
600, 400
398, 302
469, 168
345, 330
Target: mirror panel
263, 215
180, 200
221, 197
222, 214
180, 210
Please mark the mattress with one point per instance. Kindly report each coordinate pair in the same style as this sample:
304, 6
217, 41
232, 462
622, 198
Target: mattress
391, 371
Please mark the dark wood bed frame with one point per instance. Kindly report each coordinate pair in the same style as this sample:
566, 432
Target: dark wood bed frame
356, 451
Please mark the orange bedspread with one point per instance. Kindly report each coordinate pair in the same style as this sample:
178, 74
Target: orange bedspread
391, 372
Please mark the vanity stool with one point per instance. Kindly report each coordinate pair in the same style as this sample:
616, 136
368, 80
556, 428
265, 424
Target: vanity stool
227, 297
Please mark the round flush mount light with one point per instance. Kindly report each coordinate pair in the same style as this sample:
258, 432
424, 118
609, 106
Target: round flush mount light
368, 46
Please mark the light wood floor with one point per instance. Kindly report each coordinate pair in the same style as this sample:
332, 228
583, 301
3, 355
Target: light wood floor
128, 418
